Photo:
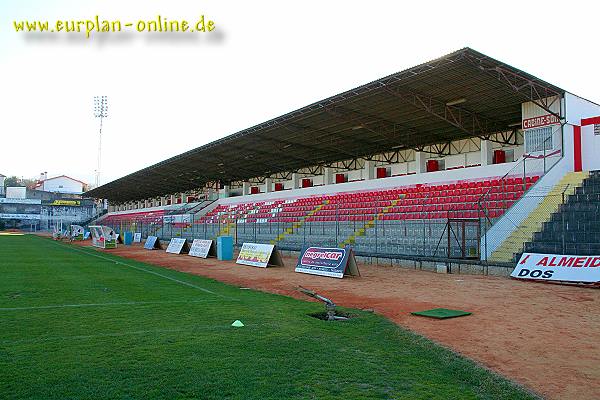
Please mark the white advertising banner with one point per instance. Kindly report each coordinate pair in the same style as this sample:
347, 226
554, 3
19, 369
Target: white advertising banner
179, 218
554, 267
9, 200
201, 248
176, 246
255, 254
137, 237
20, 216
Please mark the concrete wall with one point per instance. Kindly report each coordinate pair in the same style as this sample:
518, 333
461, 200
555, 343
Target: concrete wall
16, 192
590, 148
577, 108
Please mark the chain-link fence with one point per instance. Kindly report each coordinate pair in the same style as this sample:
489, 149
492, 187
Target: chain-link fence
368, 234
454, 223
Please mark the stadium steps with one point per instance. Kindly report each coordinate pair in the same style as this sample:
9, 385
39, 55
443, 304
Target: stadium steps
368, 225
514, 243
95, 219
575, 228
297, 225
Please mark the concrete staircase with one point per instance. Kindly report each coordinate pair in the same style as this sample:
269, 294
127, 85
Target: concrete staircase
533, 222
297, 225
368, 225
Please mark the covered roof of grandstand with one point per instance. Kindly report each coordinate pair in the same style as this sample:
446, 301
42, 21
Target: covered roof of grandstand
460, 95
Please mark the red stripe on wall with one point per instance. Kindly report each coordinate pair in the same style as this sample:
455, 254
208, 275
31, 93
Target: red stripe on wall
590, 121
577, 148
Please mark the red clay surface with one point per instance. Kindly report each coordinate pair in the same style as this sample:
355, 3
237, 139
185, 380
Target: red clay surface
546, 337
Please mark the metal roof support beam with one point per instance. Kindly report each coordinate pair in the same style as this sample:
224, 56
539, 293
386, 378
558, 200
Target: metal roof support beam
528, 88
286, 145
349, 165
303, 129
462, 119
388, 130
262, 162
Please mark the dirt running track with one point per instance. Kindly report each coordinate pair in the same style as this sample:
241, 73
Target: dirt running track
544, 336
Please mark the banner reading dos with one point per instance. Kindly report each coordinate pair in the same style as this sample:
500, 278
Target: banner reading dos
554, 267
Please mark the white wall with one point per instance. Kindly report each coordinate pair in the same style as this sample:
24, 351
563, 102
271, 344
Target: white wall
16, 192
568, 146
62, 184
590, 149
577, 108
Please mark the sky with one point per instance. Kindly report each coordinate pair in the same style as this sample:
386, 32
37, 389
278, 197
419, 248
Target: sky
169, 93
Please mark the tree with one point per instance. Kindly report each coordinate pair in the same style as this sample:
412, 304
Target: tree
11, 181
16, 181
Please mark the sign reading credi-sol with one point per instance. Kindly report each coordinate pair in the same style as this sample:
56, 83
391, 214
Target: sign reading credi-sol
542, 120
553, 267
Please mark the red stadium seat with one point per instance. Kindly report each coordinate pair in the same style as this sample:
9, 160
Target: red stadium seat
458, 199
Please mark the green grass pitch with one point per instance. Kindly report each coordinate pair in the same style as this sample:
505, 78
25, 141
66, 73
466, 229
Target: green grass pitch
80, 324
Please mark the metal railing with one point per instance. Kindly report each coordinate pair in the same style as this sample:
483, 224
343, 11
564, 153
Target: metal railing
408, 230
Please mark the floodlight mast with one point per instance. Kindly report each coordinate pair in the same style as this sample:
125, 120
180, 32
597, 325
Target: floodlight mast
100, 111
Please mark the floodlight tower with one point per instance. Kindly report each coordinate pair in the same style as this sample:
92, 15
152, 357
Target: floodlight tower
100, 111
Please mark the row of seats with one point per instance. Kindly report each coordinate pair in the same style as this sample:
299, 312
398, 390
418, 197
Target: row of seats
151, 216
406, 220
464, 199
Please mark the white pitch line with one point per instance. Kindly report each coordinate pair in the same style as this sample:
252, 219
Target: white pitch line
127, 303
149, 272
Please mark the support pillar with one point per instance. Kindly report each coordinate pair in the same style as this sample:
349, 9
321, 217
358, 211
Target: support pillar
421, 162
295, 181
245, 188
268, 185
211, 194
327, 176
369, 170
487, 156
224, 193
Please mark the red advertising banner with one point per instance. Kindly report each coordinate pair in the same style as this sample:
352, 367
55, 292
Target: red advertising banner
327, 261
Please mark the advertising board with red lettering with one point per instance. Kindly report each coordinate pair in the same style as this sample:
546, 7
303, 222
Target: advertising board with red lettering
327, 261
542, 120
553, 267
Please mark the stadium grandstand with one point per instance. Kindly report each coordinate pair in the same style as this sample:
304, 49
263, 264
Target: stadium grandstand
463, 157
